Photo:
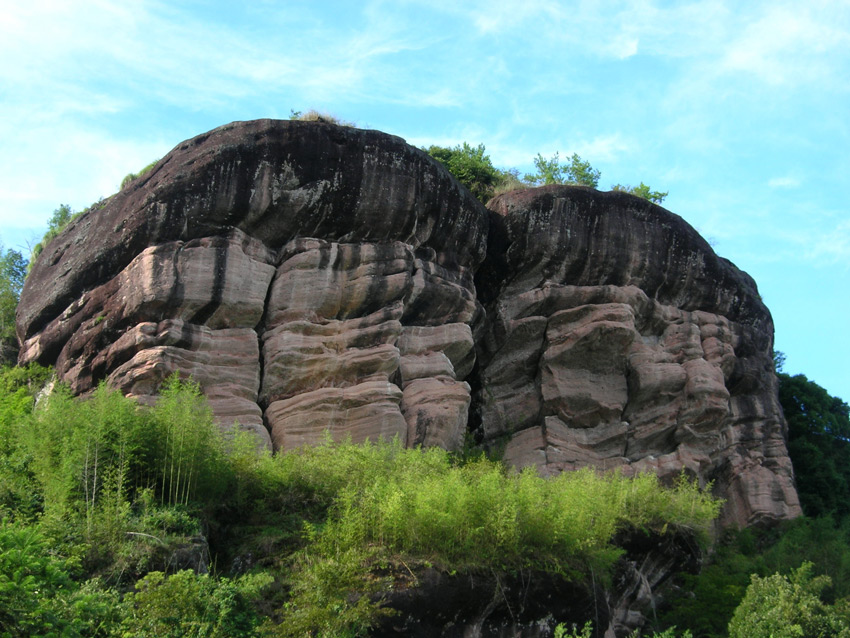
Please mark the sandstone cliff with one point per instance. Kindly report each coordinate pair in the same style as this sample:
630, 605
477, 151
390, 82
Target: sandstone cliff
314, 277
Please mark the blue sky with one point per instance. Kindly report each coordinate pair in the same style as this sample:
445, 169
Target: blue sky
740, 110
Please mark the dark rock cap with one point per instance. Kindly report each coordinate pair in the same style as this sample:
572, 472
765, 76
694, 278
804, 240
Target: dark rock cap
274, 180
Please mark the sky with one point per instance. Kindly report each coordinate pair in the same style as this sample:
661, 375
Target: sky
740, 110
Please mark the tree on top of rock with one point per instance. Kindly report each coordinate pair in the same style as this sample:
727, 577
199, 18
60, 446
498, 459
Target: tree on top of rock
642, 191
470, 165
551, 171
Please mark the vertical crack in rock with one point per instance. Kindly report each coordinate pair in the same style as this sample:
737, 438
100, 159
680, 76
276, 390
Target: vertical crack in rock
259, 330
219, 268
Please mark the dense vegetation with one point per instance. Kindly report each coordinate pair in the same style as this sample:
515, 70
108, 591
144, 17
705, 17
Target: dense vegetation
122, 520
804, 563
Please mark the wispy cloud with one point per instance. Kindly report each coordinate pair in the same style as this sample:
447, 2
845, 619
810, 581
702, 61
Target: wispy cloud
784, 182
779, 46
833, 247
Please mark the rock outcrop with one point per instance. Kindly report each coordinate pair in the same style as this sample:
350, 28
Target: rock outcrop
308, 276
313, 277
615, 337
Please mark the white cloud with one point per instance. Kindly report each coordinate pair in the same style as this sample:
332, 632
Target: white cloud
784, 182
791, 44
832, 248
605, 148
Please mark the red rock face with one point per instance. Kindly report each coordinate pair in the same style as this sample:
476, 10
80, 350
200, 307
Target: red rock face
317, 278
615, 337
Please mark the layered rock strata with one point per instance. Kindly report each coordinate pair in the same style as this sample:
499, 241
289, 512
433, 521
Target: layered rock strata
310, 277
315, 278
615, 337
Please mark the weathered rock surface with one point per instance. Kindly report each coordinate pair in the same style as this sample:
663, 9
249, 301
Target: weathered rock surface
615, 337
319, 278
310, 277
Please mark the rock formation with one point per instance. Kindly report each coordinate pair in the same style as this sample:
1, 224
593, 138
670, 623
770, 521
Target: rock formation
313, 277
615, 337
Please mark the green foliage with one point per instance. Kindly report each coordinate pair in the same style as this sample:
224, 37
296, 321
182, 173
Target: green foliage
87, 454
479, 515
585, 632
38, 596
19, 495
189, 453
62, 216
786, 607
120, 487
818, 431
708, 600
101, 464
819, 445
13, 271
821, 542
642, 191
190, 605
333, 594
420, 506
470, 165
551, 171
561, 631
129, 177
82, 450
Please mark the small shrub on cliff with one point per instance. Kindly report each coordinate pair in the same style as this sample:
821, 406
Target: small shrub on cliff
470, 165
129, 177
642, 190
551, 171
313, 115
62, 216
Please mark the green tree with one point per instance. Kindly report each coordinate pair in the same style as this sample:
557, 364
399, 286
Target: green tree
551, 171
642, 191
818, 444
787, 607
470, 165
13, 271
38, 596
